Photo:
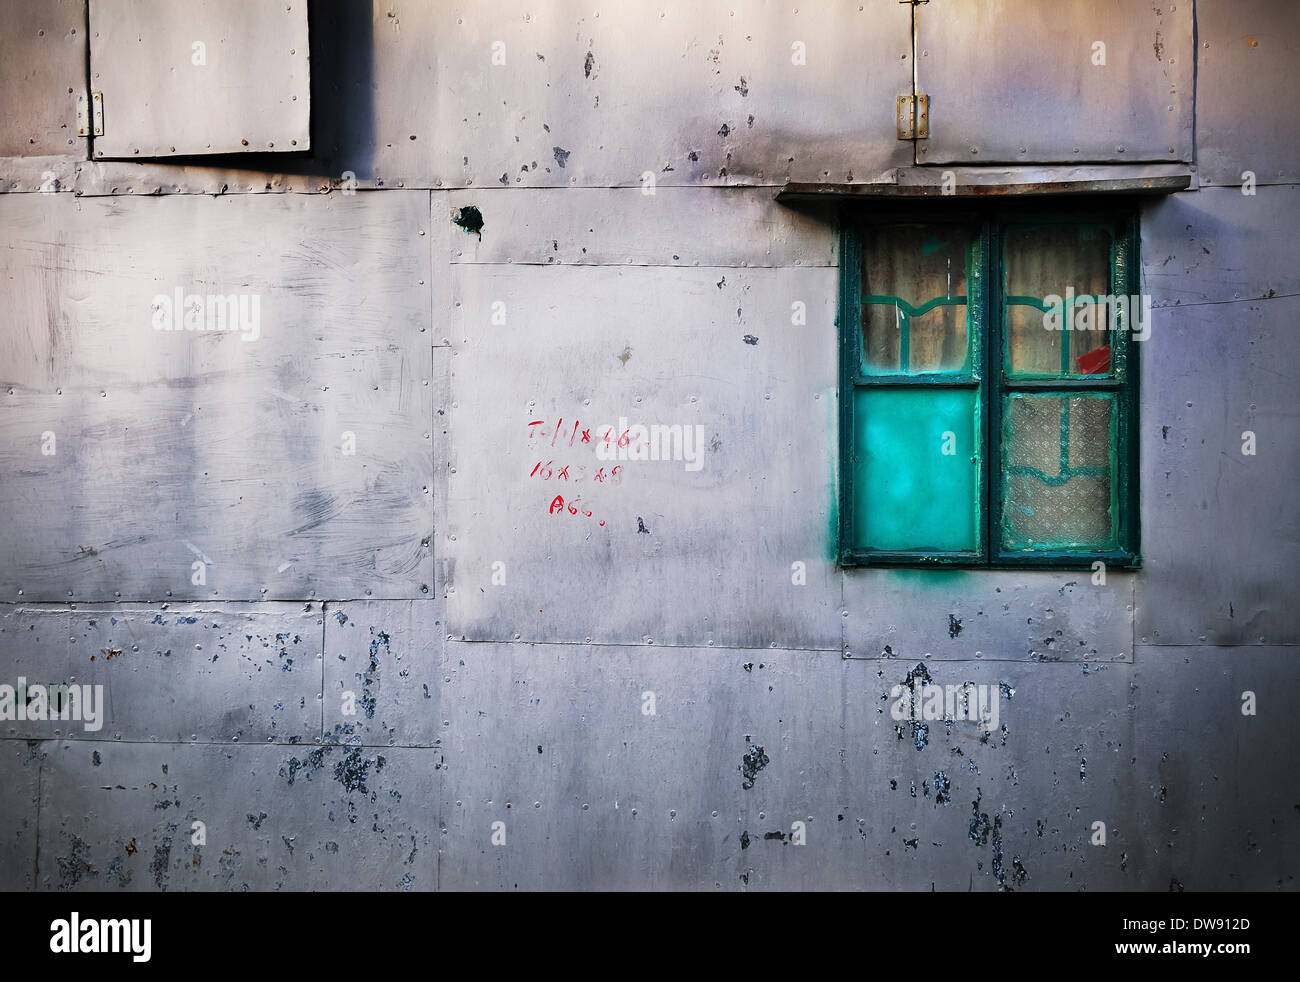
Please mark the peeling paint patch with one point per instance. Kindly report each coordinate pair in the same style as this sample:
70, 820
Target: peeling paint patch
753, 762
75, 864
979, 822
942, 788
352, 770
370, 676
162, 856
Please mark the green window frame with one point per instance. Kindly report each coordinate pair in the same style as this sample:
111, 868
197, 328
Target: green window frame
969, 435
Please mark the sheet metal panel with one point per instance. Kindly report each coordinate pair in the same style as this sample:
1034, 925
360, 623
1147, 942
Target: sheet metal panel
42, 71
171, 672
1221, 536
202, 77
222, 452
594, 792
1016, 82
1220, 245
1248, 91
388, 654
120, 817
1209, 789
713, 535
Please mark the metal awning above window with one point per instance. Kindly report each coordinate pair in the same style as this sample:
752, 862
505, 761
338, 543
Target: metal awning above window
992, 182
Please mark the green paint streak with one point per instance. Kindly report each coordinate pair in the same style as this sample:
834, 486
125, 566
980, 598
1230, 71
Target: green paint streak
832, 540
933, 577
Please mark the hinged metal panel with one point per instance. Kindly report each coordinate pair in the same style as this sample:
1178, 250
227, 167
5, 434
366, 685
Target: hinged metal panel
1071, 81
42, 63
204, 77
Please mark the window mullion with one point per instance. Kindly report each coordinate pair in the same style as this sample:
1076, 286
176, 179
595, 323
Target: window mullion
992, 396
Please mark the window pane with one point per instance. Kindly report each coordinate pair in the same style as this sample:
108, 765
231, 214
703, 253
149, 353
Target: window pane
1058, 478
914, 310
1053, 261
917, 477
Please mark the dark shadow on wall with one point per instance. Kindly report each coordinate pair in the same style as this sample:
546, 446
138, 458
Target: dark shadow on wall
341, 38
342, 86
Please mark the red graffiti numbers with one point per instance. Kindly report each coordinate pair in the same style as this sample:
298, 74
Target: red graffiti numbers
570, 434
574, 507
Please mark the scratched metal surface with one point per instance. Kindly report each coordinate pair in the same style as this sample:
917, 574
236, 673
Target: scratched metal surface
175, 447
1039, 97
1118, 706
1219, 245
1247, 91
203, 77
333, 817
42, 68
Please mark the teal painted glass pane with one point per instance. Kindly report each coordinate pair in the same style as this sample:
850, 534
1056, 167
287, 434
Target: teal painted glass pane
915, 316
917, 475
1046, 267
1059, 475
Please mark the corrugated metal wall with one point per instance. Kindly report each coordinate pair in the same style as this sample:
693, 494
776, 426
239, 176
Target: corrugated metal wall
202, 543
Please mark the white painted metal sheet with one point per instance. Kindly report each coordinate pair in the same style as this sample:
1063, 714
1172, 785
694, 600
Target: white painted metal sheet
287, 459
42, 72
200, 77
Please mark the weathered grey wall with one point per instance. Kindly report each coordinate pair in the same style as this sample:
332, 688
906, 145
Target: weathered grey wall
515, 692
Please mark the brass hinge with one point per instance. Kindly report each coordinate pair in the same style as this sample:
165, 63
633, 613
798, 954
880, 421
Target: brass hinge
913, 117
90, 120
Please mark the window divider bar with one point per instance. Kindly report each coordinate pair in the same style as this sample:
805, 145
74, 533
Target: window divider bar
994, 313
